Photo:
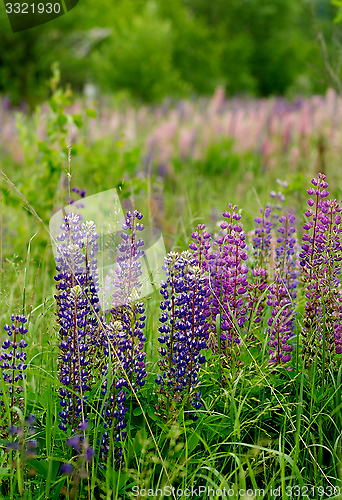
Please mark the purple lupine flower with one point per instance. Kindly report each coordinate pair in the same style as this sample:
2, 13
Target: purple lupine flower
75, 442
77, 302
114, 395
255, 303
258, 279
85, 455
126, 307
262, 238
184, 331
228, 281
277, 200
321, 253
13, 362
123, 339
281, 295
22, 441
201, 246
73, 361
128, 269
81, 193
66, 469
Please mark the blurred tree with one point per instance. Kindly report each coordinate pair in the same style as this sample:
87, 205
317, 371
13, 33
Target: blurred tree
20, 75
196, 53
262, 45
155, 48
26, 58
138, 57
158, 49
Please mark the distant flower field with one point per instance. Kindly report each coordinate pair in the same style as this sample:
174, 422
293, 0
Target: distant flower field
274, 128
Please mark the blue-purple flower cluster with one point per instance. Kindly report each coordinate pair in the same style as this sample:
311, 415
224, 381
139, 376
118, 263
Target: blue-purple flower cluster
81, 193
128, 269
184, 332
124, 338
13, 362
259, 276
85, 455
77, 301
262, 238
215, 279
115, 345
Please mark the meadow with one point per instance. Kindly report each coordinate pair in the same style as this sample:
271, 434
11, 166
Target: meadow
228, 377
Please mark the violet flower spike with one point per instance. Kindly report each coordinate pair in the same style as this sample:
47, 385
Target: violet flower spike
281, 296
229, 282
13, 362
124, 339
320, 257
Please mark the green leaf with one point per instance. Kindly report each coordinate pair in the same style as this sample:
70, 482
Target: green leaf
77, 120
91, 113
42, 146
61, 120
137, 412
53, 105
151, 414
193, 441
207, 353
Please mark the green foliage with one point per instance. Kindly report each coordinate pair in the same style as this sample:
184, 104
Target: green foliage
26, 58
138, 57
220, 159
40, 177
152, 48
45, 157
262, 47
196, 55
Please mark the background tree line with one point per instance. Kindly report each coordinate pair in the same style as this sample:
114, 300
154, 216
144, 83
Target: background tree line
149, 49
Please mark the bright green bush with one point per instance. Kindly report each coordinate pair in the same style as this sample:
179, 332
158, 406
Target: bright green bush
138, 57
151, 48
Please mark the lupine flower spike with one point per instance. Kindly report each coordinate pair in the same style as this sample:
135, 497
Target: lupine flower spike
77, 300
184, 332
320, 258
228, 281
13, 363
281, 296
123, 342
259, 276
